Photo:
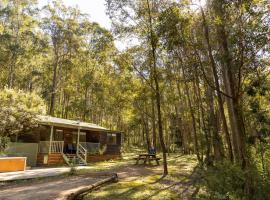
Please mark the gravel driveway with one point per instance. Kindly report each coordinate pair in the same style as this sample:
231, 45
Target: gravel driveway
48, 188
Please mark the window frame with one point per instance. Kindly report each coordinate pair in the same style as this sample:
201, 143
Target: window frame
111, 138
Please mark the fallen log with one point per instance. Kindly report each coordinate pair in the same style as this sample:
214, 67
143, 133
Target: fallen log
75, 195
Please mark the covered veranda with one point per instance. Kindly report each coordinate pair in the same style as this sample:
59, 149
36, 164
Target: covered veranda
69, 137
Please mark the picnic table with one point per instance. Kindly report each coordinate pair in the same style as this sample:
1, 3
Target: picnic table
146, 157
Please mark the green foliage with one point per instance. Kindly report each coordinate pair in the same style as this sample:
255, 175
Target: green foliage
227, 181
73, 169
102, 149
4, 140
18, 111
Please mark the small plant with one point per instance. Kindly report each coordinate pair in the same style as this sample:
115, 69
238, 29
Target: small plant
73, 167
102, 149
3, 143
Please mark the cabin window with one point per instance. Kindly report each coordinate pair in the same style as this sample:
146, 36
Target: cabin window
74, 137
92, 137
58, 136
111, 138
82, 137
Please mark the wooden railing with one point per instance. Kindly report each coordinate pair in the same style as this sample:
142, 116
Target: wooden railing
82, 153
57, 147
92, 148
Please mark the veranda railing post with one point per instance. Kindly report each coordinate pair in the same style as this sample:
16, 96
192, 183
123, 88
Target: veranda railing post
51, 137
78, 139
62, 147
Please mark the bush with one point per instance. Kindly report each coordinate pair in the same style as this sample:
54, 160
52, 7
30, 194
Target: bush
227, 181
18, 112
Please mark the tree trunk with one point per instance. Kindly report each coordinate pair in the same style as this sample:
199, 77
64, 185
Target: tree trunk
234, 103
54, 88
146, 129
206, 132
157, 91
217, 87
193, 119
154, 142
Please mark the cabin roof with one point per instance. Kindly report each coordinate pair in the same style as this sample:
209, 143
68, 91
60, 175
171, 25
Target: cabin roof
49, 120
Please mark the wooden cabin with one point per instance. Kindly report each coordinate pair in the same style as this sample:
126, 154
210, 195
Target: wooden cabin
59, 141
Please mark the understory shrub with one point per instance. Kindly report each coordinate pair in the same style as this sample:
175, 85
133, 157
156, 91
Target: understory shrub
227, 181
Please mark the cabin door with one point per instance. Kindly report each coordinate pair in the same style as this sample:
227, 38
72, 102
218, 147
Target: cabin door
68, 143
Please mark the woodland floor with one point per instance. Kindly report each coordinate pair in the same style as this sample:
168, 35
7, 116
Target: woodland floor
146, 182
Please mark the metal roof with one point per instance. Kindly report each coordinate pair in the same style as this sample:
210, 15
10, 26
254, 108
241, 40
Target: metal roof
48, 120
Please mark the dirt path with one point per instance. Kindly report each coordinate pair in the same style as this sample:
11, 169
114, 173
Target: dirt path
146, 182
47, 189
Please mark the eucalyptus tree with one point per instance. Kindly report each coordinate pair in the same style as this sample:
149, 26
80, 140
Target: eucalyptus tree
139, 18
19, 40
62, 25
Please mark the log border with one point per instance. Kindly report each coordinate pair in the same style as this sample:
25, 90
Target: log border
75, 195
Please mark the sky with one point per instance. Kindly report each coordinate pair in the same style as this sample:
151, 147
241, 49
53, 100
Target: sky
94, 8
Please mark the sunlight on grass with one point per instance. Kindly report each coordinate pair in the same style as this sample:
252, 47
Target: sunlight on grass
148, 186
137, 189
110, 164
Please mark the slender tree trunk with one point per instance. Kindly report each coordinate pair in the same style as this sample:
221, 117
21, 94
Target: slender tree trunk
53, 92
157, 91
206, 132
216, 139
14, 57
154, 132
216, 81
233, 101
193, 119
146, 129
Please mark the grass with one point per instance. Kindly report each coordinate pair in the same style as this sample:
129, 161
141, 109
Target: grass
110, 164
137, 189
145, 186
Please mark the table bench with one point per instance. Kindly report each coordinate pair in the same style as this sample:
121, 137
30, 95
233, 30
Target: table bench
147, 158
